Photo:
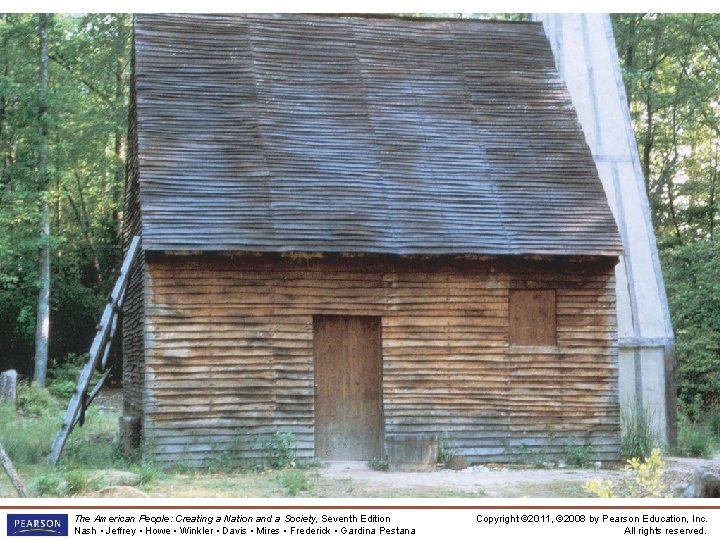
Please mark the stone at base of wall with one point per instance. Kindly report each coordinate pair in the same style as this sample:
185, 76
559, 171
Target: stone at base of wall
129, 433
704, 484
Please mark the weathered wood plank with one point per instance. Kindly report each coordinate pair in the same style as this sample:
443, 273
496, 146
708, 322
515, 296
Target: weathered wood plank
447, 360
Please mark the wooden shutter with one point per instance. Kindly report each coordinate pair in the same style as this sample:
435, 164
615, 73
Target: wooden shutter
532, 317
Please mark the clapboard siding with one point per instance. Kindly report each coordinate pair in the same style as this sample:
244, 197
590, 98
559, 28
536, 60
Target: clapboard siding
230, 352
133, 342
133, 316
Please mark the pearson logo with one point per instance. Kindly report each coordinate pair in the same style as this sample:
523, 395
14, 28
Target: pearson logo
37, 525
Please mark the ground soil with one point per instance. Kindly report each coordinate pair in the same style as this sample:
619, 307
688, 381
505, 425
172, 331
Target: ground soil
356, 480
495, 482
507, 481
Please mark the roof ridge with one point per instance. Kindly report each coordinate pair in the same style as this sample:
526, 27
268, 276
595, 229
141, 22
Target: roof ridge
422, 18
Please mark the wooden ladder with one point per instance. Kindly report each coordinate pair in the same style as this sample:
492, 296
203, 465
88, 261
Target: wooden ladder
98, 357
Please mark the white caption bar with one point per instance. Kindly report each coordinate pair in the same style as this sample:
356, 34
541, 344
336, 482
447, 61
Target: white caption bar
412, 521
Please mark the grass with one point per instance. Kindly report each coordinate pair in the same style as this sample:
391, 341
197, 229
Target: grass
713, 423
26, 439
28, 431
698, 433
638, 437
239, 485
556, 488
695, 439
295, 481
33, 400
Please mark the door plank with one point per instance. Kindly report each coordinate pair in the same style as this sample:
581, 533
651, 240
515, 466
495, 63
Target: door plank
348, 382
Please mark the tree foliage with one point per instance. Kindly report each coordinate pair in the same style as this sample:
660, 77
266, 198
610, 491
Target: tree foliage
692, 273
672, 73
671, 66
86, 125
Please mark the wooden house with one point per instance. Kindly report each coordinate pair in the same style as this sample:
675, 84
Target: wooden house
360, 227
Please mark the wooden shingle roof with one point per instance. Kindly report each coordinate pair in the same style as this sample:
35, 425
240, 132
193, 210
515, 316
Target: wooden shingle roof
304, 133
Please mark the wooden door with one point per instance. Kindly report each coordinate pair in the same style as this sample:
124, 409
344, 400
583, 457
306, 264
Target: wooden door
348, 382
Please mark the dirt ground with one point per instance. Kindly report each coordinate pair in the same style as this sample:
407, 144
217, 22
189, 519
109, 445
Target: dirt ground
505, 482
495, 482
356, 480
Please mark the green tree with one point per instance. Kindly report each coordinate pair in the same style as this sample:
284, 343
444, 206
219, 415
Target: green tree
86, 126
671, 66
692, 273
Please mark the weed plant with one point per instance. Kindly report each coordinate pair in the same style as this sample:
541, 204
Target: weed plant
714, 422
638, 436
294, 481
694, 439
34, 400
644, 479
579, 454
278, 451
446, 449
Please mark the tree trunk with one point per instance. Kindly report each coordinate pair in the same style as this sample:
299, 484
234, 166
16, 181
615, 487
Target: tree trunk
630, 61
712, 194
86, 227
673, 215
647, 145
4, 148
42, 332
120, 76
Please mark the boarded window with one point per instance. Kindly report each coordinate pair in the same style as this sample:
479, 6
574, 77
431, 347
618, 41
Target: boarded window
532, 317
